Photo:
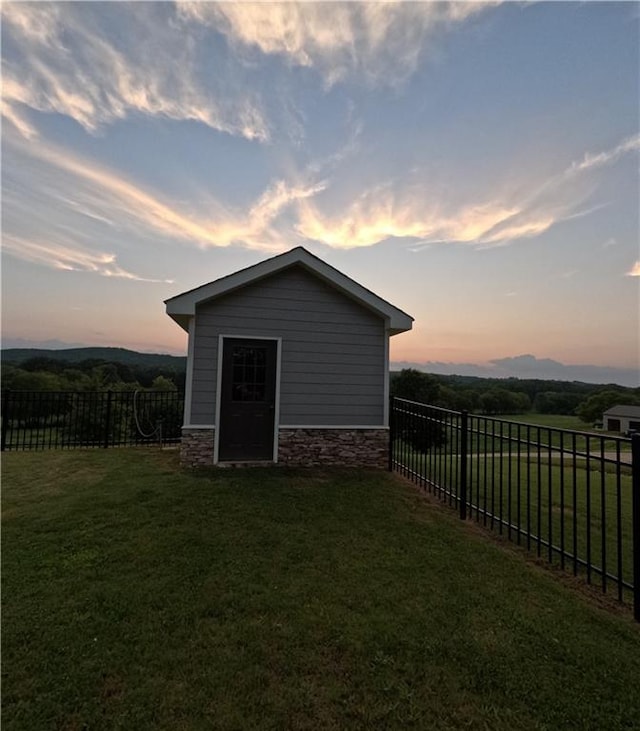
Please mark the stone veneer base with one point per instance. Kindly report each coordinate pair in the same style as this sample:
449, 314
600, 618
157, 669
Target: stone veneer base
302, 447
344, 447
196, 448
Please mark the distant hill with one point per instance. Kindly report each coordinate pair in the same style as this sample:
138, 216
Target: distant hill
515, 383
112, 355
530, 367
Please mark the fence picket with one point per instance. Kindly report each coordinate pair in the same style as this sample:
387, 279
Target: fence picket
36, 420
593, 531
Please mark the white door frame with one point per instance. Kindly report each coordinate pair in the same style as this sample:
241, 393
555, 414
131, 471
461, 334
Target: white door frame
276, 411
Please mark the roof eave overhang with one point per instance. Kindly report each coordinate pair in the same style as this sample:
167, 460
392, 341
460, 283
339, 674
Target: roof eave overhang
180, 318
398, 330
183, 306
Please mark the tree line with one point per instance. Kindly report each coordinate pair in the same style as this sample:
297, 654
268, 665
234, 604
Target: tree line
71, 404
511, 396
488, 396
49, 374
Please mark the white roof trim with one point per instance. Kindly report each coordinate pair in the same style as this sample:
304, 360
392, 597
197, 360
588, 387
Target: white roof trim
183, 306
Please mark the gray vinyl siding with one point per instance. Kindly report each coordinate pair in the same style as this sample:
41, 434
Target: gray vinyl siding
333, 362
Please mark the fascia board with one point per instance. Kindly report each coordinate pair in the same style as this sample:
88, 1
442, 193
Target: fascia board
183, 306
398, 321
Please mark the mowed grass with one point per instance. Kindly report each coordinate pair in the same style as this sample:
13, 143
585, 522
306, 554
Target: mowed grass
138, 596
585, 514
555, 421
497, 435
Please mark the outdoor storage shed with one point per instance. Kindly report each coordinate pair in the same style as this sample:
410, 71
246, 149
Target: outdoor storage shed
288, 362
622, 418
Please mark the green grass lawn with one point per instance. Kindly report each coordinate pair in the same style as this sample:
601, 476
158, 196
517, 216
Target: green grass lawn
543, 428
586, 514
138, 596
555, 421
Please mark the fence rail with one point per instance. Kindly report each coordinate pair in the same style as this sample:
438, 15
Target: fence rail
71, 419
571, 497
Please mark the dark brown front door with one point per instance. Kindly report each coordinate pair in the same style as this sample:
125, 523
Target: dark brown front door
247, 400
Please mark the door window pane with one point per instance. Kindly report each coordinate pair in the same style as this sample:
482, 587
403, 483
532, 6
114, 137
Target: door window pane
249, 373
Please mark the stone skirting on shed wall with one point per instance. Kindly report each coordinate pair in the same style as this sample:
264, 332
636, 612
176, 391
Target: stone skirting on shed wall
302, 447
346, 447
196, 449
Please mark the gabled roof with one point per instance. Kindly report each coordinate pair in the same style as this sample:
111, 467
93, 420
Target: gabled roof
183, 306
622, 410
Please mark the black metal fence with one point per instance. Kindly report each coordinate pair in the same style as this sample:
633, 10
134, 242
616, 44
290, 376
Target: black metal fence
68, 420
570, 497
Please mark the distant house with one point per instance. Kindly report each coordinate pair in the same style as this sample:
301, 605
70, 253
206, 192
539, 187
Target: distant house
288, 362
622, 419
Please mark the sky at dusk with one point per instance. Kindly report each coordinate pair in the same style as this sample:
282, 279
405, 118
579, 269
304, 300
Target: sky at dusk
475, 164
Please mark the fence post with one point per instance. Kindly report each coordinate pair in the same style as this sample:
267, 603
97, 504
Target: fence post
635, 489
391, 434
107, 420
464, 422
5, 418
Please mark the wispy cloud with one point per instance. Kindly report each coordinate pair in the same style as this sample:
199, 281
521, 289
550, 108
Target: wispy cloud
394, 211
381, 43
13, 114
65, 61
69, 257
635, 270
292, 210
270, 204
379, 215
84, 188
591, 161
